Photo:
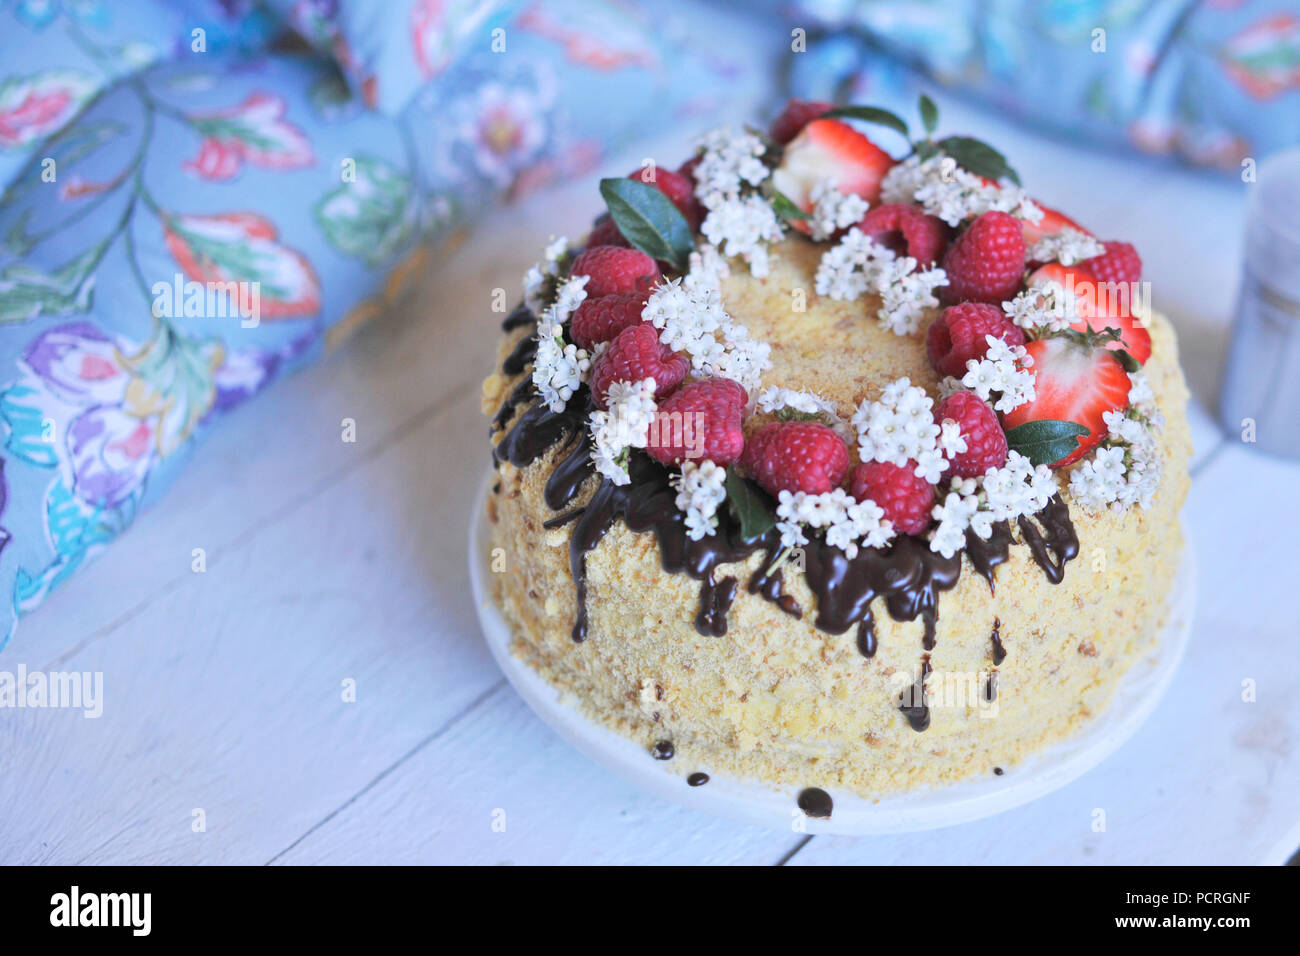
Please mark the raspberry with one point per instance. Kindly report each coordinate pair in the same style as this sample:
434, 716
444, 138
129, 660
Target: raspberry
958, 335
636, 354
1119, 263
987, 261
599, 320
796, 115
614, 269
678, 187
905, 498
907, 230
702, 420
605, 233
796, 456
986, 442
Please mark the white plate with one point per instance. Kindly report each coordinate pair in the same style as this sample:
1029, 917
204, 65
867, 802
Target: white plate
774, 806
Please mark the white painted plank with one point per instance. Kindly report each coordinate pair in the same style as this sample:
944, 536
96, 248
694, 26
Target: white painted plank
499, 787
1210, 779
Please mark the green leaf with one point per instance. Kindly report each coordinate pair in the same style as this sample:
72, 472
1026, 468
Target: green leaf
374, 216
978, 157
1045, 441
871, 114
929, 114
784, 206
27, 293
751, 506
648, 219
1127, 360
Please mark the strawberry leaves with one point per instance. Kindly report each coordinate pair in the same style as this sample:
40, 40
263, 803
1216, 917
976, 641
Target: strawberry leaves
871, 114
1046, 440
649, 220
978, 157
751, 506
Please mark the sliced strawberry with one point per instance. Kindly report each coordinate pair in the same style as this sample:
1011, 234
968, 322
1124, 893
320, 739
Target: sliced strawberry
1101, 306
827, 150
1051, 223
1073, 382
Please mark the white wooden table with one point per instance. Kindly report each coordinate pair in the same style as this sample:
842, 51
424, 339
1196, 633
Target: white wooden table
329, 562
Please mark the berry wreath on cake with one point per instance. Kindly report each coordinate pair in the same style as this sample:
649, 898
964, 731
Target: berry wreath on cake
828, 469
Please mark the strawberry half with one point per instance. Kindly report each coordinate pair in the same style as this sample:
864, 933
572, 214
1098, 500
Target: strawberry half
1073, 382
1101, 306
1051, 223
828, 150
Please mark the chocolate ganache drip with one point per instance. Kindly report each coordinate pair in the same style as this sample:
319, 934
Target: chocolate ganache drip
907, 575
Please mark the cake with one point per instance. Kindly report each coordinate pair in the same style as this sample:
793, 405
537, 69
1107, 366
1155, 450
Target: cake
833, 469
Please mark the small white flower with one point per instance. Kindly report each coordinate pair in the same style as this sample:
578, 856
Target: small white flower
728, 163
742, 228
538, 279
951, 193
1049, 307
701, 488
954, 517
1066, 247
900, 427
690, 319
833, 210
775, 400
857, 266
625, 424
848, 524
1004, 371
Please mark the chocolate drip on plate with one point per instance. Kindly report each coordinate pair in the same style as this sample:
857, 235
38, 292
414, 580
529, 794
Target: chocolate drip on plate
816, 803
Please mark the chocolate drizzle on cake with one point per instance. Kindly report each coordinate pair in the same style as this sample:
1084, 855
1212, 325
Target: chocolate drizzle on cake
907, 575
698, 779
816, 803
999, 652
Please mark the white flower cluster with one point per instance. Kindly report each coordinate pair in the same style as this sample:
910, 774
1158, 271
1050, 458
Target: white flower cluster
1001, 494
857, 265
690, 319
775, 399
560, 368
833, 210
701, 488
626, 424
849, 523
899, 427
537, 280
953, 194
728, 162
1125, 470
1066, 247
707, 268
1003, 370
1049, 307
743, 227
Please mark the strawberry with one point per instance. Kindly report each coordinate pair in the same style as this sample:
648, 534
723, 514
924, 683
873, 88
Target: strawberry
796, 456
636, 354
905, 499
908, 231
1073, 382
1051, 223
987, 261
827, 150
599, 320
960, 333
796, 115
1100, 306
614, 269
702, 420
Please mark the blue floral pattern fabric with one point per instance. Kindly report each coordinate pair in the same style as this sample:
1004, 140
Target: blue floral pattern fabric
1208, 83
180, 227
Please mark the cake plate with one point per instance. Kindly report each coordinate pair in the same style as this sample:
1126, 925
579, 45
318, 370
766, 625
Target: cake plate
774, 806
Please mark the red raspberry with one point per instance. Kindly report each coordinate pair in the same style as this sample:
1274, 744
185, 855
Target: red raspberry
700, 421
907, 230
678, 187
987, 262
796, 115
958, 335
599, 320
905, 498
986, 442
605, 233
1119, 263
614, 269
796, 456
637, 354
